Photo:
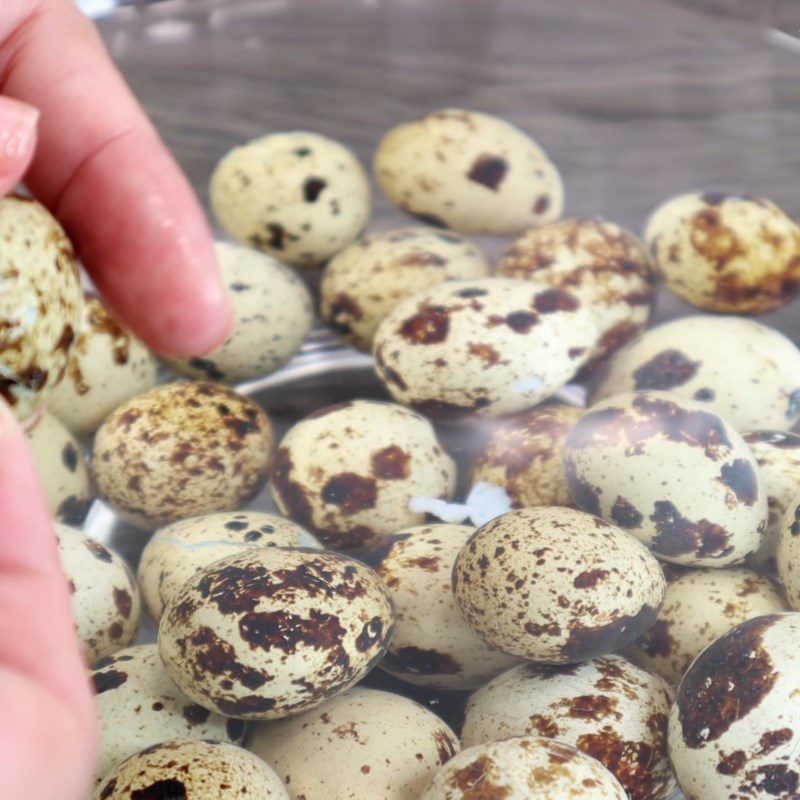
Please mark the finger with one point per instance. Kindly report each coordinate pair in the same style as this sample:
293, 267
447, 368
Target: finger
17, 141
101, 168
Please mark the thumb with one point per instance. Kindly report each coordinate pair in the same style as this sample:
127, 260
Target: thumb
18, 122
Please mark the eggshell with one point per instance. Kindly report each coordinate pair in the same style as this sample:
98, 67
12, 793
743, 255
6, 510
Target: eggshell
555, 585
699, 607
274, 631
104, 597
672, 473
178, 551
733, 730
192, 770
486, 347
40, 304
432, 645
180, 450
364, 282
743, 370
524, 456
137, 706
362, 744
347, 472
299, 196
523, 768
787, 556
62, 470
469, 171
726, 252
607, 708
273, 314
107, 367
605, 266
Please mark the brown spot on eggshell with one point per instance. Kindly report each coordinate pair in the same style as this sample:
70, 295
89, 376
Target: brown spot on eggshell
552, 300
488, 170
123, 602
625, 514
484, 352
474, 781
740, 477
371, 635
430, 325
589, 578
771, 740
732, 763
593, 707
391, 463
657, 641
677, 535
418, 661
168, 789
108, 680
666, 370
587, 641
350, 492
342, 308
445, 746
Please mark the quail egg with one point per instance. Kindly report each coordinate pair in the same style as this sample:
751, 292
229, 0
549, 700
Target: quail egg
733, 730
432, 645
192, 770
787, 556
104, 597
137, 706
274, 631
607, 708
524, 456
299, 196
726, 252
486, 347
62, 469
348, 472
711, 360
670, 472
362, 744
699, 607
469, 171
364, 282
180, 450
273, 315
523, 768
107, 367
555, 585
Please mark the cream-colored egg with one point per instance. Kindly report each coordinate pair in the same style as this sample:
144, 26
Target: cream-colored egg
364, 282
299, 196
555, 585
699, 607
486, 347
181, 450
348, 472
275, 631
672, 473
362, 744
104, 597
273, 314
431, 645
469, 171
107, 367
726, 252
743, 370
62, 470
787, 556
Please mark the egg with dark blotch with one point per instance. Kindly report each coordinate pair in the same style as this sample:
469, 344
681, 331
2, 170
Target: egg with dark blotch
787, 556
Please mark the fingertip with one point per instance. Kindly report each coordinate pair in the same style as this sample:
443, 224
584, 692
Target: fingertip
18, 134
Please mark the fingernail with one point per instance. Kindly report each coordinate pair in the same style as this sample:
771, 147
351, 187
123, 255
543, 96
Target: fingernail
18, 123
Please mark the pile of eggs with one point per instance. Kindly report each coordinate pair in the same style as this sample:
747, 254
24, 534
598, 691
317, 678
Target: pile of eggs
618, 624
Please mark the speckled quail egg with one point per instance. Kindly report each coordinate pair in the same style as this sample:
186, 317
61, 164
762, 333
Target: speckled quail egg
606, 267
524, 456
485, 347
432, 645
299, 196
273, 631
192, 770
699, 607
523, 768
348, 472
105, 600
180, 550
734, 728
607, 708
787, 556
362, 744
469, 171
62, 470
726, 252
137, 706
555, 585
180, 450
739, 368
672, 473
40, 305
364, 282
107, 367
272, 316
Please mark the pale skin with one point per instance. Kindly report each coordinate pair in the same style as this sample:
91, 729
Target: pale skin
70, 126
